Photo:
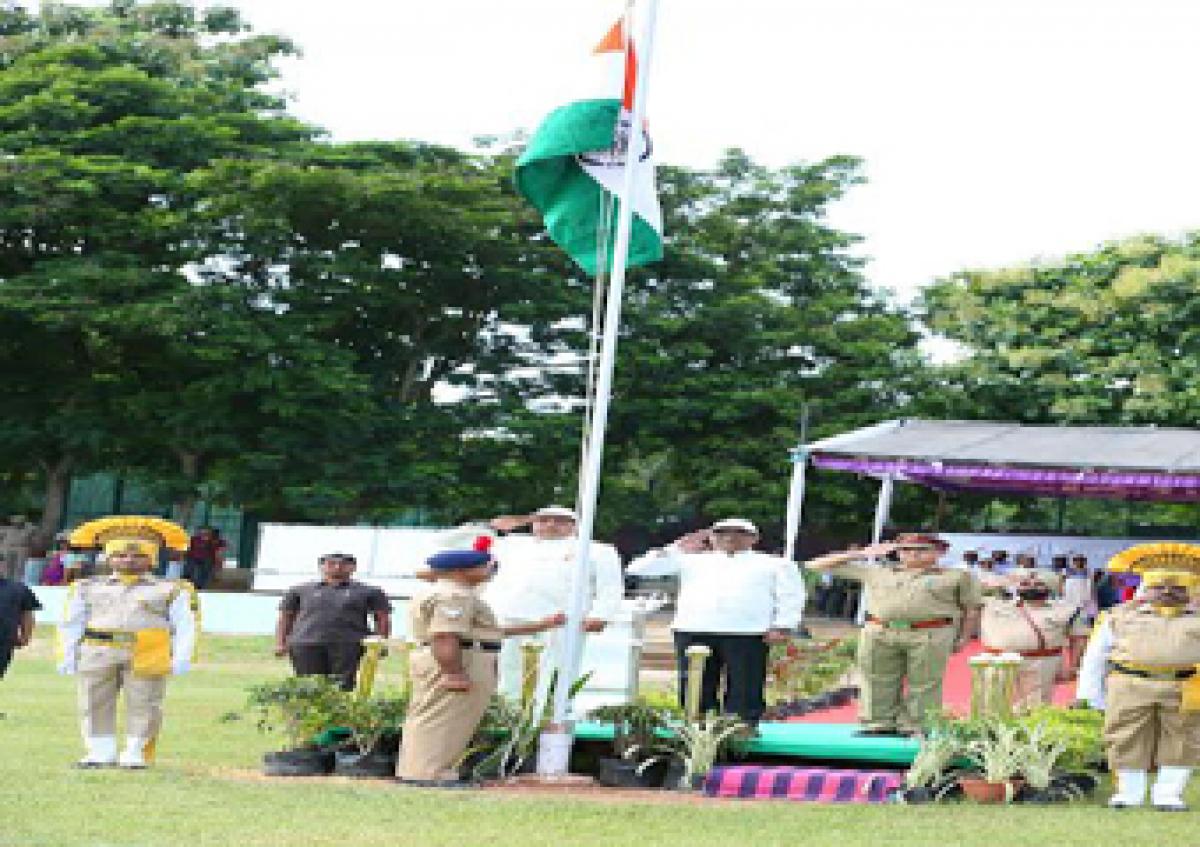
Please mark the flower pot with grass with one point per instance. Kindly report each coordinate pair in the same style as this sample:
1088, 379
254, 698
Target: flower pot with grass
698, 746
928, 779
636, 725
1000, 754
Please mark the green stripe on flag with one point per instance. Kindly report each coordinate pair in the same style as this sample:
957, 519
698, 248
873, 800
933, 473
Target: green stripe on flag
568, 198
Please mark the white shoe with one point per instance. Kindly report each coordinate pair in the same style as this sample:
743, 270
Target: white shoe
1167, 794
133, 757
1131, 790
101, 752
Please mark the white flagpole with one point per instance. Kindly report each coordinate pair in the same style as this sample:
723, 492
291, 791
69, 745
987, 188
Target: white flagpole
572, 641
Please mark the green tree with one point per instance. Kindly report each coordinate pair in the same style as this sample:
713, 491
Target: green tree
1105, 337
757, 309
109, 118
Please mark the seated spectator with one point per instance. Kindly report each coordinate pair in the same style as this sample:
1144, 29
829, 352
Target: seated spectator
55, 572
204, 557
35, 563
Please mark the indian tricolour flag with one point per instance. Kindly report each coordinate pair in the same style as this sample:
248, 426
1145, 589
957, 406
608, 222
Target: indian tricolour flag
577, 158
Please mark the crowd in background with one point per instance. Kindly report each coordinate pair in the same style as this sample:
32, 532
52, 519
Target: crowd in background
26, 556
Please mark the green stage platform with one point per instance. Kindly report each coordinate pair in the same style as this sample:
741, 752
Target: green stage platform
825, 741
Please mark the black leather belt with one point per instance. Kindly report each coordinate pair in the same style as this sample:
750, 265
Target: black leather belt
1145, 674
109, 635
468, 644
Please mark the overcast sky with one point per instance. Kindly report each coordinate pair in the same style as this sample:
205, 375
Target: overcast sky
992, 132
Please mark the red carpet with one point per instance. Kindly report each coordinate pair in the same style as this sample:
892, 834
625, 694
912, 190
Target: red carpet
956, 692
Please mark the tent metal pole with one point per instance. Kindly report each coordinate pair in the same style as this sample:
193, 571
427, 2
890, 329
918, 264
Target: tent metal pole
795, 504
883, 507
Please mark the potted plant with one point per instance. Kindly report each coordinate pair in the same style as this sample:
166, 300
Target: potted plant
635, 728
299, 708
698, 746
999, 754
370, 721
927, 779
1039, 759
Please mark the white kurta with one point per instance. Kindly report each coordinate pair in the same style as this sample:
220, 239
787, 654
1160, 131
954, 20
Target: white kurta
1094, 665
534, 581
740, 594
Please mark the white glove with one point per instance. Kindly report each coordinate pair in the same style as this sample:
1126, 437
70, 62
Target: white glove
180, 666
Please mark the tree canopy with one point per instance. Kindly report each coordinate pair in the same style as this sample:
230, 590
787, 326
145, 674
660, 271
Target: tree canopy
202, 291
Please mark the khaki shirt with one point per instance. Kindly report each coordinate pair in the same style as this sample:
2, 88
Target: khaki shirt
449, 608
902, 594
1006, 627
1143, 636
113, 605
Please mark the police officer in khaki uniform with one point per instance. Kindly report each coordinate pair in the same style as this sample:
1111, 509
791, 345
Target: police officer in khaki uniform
1141, 668
917, 615
453, 669
1048, 634
126, 630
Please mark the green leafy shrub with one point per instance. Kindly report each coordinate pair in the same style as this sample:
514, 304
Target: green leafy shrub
1078, 730
368, 719
297, 707
635, 725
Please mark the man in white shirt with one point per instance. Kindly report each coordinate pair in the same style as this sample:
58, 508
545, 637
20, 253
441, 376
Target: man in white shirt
733, 600
534, 581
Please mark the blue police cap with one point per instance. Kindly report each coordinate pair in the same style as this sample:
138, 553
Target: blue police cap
458, 560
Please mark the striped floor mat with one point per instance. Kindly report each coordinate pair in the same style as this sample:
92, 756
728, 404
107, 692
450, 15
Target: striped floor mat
810, 785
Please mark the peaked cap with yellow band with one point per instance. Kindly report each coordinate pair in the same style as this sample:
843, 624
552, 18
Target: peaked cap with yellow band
1185, 579
1167, 563
130, 533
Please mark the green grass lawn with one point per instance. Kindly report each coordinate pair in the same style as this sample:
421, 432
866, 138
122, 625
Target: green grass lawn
205, 790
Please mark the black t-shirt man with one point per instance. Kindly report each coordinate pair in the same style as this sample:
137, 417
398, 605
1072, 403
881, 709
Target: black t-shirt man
17, 605
322, 624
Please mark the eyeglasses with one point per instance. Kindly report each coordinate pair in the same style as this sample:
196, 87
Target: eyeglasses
732, 532
916, 548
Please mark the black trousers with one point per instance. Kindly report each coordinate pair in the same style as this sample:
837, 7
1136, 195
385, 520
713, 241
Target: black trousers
337, 658
741, 659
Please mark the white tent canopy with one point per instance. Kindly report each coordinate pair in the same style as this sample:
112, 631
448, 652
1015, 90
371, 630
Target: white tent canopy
1122, 463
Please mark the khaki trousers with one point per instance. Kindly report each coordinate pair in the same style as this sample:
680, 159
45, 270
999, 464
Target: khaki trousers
103, 673
440, 723
1144, 727
887, 658
1036, 681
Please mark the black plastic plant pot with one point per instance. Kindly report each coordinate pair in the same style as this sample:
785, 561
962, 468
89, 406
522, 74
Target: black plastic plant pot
673, 779
1035, 796
618, 773
915, 796
364, 766
298, 763
656, 774
1084, 783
